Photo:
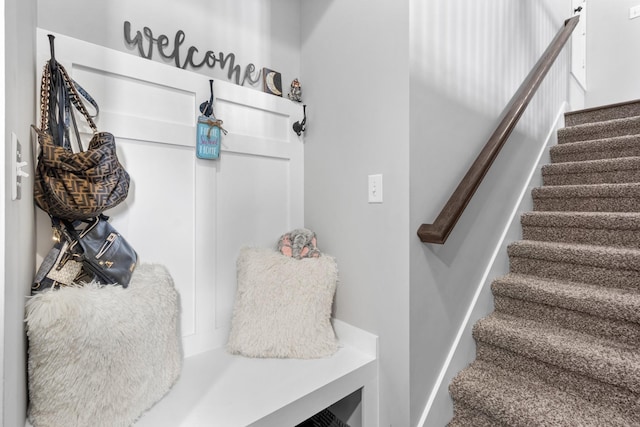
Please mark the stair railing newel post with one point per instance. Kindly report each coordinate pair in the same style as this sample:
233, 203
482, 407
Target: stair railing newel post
439, 231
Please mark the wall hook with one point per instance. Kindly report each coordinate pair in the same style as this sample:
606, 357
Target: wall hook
298, 127
206, 108
52, 62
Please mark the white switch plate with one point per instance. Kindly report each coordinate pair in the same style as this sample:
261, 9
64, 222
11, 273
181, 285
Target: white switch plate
634, 12
16, 157
375, 188
16, 168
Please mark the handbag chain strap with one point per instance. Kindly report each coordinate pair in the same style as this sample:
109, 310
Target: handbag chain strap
73, 95
44, 98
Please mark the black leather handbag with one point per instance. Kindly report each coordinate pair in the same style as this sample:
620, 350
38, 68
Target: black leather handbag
104, 253
85, 251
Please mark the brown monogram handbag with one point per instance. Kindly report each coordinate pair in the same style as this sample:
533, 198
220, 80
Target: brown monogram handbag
73, 185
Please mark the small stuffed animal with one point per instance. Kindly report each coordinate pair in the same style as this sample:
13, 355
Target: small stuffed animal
299, 243
295, 93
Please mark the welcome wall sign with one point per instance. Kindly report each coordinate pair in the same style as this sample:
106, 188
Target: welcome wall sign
146, 43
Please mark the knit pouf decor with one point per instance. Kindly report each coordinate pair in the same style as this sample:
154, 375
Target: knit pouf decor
102, 355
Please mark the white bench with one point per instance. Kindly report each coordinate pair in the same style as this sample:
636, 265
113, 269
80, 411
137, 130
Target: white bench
219, 389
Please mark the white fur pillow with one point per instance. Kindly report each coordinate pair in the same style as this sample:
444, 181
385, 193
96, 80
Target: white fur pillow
283, 306
102, 355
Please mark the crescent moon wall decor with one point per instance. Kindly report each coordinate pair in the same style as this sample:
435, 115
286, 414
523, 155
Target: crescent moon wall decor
272, 82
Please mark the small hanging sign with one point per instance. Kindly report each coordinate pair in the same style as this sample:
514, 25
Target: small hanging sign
208, 132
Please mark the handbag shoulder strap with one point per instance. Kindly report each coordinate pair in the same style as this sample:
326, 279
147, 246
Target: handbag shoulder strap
77, 101
72, 235
88, 97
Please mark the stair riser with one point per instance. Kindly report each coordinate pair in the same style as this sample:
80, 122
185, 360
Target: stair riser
587, 204
559, 155
465, 416
611, 237
611, 277
618, 111
623, 400
608, 177
621, 331
598, 131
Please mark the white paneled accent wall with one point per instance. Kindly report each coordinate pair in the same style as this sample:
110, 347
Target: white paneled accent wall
189, 214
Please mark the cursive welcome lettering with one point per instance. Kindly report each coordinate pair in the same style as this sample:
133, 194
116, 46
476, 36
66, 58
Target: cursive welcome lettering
145, 41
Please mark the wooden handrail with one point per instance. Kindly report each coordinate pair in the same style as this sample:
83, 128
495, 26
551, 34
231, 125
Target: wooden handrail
448, 217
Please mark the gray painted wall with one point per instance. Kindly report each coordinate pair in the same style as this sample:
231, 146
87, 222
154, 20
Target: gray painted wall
355, 63
467, 60
263, 32
20, 75
613, 52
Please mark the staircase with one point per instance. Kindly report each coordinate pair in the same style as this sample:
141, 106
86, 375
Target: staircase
562, 347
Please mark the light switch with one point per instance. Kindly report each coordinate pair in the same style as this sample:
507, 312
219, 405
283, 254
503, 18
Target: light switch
375, 188
634, 12
16, 168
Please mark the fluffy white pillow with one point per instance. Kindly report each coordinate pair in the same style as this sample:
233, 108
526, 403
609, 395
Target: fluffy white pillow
283, 306
101, 355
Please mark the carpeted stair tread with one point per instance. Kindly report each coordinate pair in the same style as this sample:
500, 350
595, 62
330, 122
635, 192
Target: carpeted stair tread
611, 220
620, 170
607, 148
512, 401
603, 113
622, 332
598, 228
623, 400
584, 354
590, 190
609, 313
613, 303
599, 130
569, 253
600, 265
588, 198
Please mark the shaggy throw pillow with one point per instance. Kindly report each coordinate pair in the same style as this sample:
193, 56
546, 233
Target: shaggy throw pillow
283, 306
102, 355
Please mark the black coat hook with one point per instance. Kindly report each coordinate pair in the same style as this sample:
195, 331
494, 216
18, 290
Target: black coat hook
206, 108
298, 127
52, 62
